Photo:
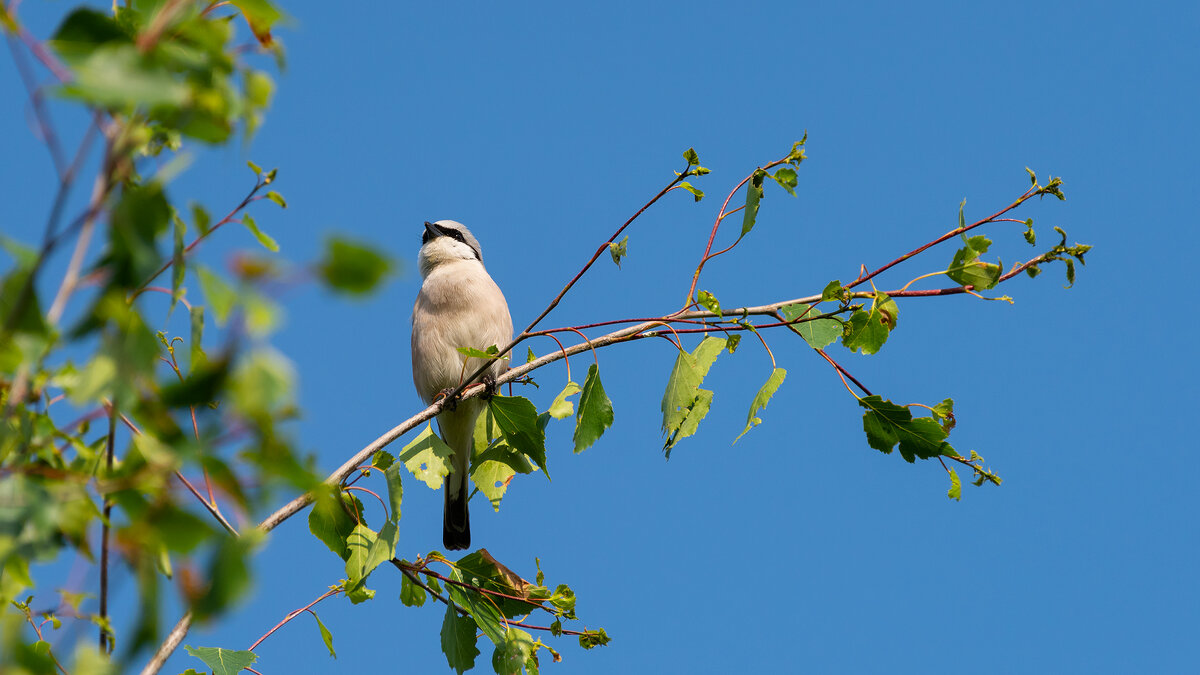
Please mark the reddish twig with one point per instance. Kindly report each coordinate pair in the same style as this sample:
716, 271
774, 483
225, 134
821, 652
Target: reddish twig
293, 614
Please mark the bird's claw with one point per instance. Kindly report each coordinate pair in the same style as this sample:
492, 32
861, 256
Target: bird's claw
451, 402
490, 388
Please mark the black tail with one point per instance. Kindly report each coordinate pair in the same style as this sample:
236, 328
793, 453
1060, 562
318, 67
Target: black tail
456, 520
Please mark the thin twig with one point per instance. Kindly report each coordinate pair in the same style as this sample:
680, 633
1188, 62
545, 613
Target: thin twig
293, 614
105, 638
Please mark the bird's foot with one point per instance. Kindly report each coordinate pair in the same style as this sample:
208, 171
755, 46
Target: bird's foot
490, 388
451, 403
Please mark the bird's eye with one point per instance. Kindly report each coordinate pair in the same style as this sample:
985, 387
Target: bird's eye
457, 236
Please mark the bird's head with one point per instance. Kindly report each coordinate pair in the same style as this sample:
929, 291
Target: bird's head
446, 241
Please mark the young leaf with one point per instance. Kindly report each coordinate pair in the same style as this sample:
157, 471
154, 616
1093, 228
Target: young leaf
595, 411
458, 641
944, 413
262, 237
709, 301
471, 352
223, 661
691, 157
818, 333
326, 636
517, 419
754, 193
618, 250
696, 192
834, 291
786, 177
955, 491
968, 270
428, 458
277, 198
761, 398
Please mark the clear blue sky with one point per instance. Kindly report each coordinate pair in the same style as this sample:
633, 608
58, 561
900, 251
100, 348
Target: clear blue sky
544, 125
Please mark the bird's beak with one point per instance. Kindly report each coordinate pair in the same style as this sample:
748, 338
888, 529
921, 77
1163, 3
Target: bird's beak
434, 230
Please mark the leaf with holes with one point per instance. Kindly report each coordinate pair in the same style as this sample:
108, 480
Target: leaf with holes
427, 458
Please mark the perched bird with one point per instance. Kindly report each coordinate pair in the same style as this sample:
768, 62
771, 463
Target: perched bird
459, 306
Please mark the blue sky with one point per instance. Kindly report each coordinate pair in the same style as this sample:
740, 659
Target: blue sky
543, 126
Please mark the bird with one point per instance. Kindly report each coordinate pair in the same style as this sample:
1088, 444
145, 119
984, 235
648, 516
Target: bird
458, 306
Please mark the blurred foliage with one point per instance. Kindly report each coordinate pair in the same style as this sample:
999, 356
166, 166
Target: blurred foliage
125, 446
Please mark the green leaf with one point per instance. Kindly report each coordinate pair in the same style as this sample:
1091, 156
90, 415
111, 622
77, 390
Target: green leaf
139, 218
517, 419
261, 15
223, 661
201, 219
482, 609
697, 193
82, 31
116, 75
395, 490
326, 636
229, 573
754, 193
944, 413
331, 519
492, 478
428, 458
458, 641
368, 550
887, 424
867, 331
732, 341
262, 237
594, 638
955, 491
818, 333
561, 408
411, 595
201, 386
691, 157
254, 167
178, 268
472, 352
709, 301
352, 267
966, 268
786, 177
618, 250
277, 198
962, 221
595, 411
515, 654
217, 294
761, 398
530, 357
684, 404
834, 291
